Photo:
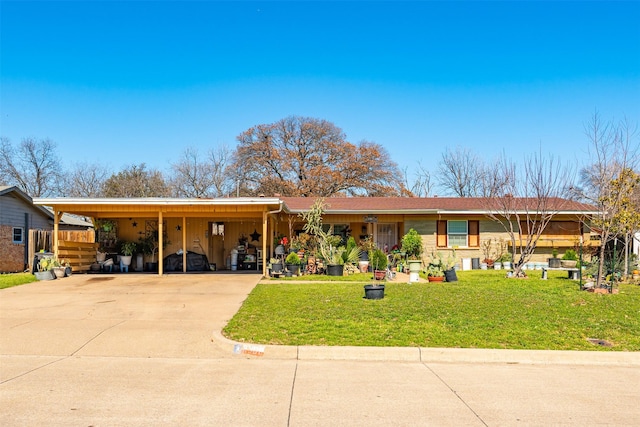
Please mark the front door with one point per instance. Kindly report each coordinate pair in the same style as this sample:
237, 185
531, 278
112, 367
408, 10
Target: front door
216, 245
386, 236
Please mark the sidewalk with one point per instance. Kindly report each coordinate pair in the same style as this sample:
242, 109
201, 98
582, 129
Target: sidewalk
137, 350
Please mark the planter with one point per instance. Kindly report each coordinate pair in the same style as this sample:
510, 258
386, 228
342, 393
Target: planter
374, 291
483, 266
276, 268
554, 262
414, 265
293, 268
44, 275
497, 265
151, 266
68, 271
436, 278
125, 260
379, 274
568, 263
364, 266
101, 256
59, 272
507, 265
450, 275
335, 270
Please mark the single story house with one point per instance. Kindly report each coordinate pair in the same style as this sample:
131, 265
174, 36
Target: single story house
26, 228
219, 227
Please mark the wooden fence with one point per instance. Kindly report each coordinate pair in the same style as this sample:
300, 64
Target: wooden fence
76, 246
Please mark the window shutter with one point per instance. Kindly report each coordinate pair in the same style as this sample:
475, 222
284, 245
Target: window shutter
474, 234
441, 238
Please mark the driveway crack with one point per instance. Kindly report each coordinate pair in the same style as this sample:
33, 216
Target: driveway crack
96, 336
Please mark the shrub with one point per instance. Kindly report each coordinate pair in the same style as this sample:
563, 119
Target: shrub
378, 259
293, 259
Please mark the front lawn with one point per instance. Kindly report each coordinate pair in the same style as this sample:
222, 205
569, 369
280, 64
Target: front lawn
482, 310
15, 279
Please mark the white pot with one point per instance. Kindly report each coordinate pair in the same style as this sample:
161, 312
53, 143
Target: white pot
125, 260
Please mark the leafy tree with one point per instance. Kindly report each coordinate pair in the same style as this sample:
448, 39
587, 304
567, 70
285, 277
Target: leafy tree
33, 166
301, 156
136, 181
197, 176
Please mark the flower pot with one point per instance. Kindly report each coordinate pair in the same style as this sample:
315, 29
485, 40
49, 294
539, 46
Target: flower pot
379, 274
59, 272
335, 270
276, 268
436, 278
293, 268
497, 265
450, 275
44, 275
125, 260
567, 263
554, 262
507, 265
364, 266
374, 291
483, 266
68, 271
414, 265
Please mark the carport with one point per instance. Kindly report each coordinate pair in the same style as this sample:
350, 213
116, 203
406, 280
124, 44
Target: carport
179, 222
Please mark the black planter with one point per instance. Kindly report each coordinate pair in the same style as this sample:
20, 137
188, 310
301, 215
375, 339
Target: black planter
450, 275
554, 262
151, 266
293, 268
335, 270
276, 268
374, 291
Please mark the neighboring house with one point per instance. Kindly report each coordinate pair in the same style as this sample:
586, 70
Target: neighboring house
20, 223
215, 227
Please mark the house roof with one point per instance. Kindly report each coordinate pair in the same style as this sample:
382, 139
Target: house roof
15, 191
424, 205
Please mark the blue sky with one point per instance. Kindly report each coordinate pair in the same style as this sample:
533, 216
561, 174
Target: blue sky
130, 82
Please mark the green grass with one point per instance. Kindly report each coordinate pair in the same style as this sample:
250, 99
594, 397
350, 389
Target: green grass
482, 310
15, 279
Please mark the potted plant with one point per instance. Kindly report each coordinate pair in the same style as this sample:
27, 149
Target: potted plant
554, 262
293, 262
366, 246
378, 260
448, 265
435, 268
45, 269
412, 246
127, 248
275, 265
569, 259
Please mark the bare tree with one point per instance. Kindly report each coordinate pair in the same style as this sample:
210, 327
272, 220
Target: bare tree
613, 149
197, 176
528, 201
421, 185
32, 166
85, 180
461, 172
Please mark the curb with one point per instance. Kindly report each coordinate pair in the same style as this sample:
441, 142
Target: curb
432, 355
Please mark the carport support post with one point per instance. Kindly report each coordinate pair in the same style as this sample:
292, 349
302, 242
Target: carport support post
160, 244
56, 226
184, 243
264, 242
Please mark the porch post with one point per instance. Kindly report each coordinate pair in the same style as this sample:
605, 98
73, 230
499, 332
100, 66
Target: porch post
160, 244
264, 243
56, 227
184, 244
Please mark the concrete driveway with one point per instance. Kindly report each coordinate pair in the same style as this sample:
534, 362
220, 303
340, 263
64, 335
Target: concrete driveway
102, 350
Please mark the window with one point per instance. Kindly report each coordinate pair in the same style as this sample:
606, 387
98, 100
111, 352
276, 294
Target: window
457, 233
18, 235
341, 230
